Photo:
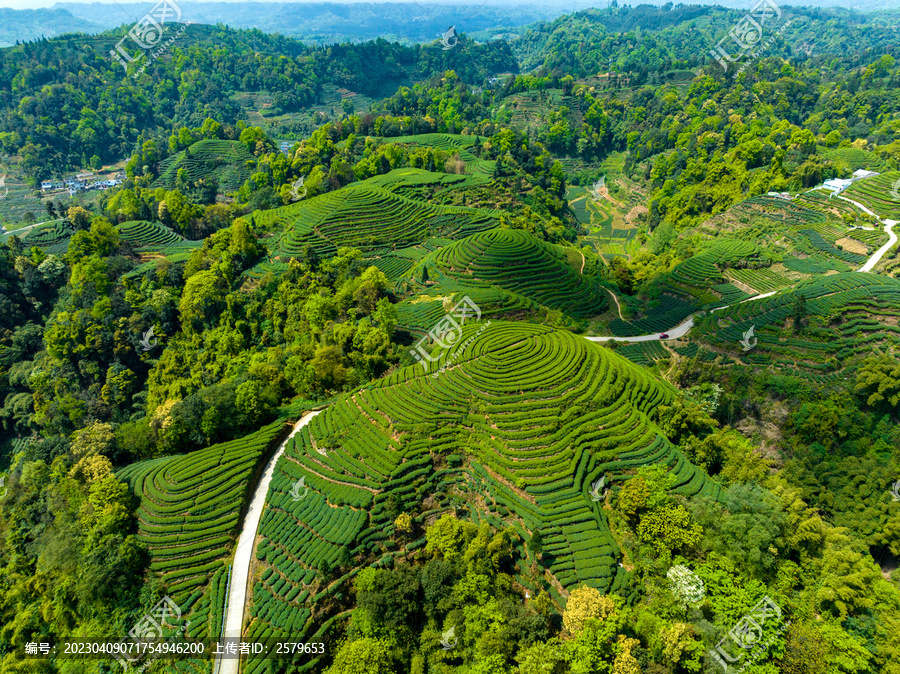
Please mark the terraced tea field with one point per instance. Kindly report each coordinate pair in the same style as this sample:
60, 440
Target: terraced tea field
188, 519
419, 313
479, 170
17, 199
810, 227
878, 194
760, 280
153, 237
52, 236
855, 158
368, 216
526, 418
228, 161
848, 314
697, 283
520, 263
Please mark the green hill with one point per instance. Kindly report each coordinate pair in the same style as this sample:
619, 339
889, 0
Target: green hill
369, 216
526, 417
518, 262
188, 518
224, 160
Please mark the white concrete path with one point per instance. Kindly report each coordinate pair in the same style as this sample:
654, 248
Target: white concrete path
25, 229
878, 254
678, 331
240, 570
682, 328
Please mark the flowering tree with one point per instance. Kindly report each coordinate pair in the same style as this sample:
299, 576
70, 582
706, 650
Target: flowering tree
686, 586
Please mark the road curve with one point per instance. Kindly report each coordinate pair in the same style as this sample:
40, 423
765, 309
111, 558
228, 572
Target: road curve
240, 570
878, 254
16, 232
682, 328
678, 331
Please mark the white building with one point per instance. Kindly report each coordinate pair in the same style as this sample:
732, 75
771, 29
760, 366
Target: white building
862, 173
837, 185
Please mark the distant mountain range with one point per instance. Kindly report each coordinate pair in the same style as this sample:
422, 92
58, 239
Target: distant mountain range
32, 24
330, 22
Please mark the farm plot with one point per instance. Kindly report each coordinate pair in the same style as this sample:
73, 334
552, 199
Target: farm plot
789, 212
188, 516
867, 304
828, 247
696, 279
521, 263
365, 216
824, 202
761, 280
538, 414
228, 161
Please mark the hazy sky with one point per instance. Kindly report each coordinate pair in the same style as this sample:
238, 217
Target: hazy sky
565, 5
34, 4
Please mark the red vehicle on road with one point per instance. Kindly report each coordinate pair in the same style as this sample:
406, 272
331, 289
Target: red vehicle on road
664, 335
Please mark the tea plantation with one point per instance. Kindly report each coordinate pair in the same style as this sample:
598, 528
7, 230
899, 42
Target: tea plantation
479, 170
877, 193
153, 237
369, 216
525, 418
224, 160
845, 315
188, 518
520, 263
52, 236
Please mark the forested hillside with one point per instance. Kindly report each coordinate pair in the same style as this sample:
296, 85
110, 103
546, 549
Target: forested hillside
577, 353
